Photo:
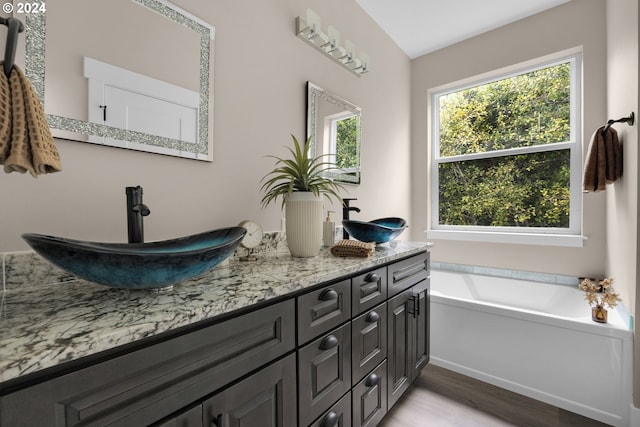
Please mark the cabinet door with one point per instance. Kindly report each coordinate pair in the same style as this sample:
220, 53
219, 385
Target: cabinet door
368, 341
324, 371
323, 309
370, 398
399, 335
266, 398
420, 339
368, 290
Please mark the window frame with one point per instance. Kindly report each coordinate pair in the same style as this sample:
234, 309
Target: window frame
569, 236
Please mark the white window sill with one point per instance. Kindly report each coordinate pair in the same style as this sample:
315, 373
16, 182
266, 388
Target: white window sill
568, 240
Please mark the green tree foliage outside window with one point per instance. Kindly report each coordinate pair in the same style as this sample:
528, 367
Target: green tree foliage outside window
487, 176
347, 143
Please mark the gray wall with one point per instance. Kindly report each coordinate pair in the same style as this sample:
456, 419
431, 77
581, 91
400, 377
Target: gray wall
259, 100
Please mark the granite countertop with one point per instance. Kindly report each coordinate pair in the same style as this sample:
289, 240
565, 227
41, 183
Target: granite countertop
44, 326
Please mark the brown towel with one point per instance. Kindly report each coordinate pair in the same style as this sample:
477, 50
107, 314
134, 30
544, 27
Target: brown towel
353, 248
26, 143
603, 164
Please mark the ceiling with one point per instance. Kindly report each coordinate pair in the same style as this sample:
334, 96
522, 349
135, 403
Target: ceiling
423, 26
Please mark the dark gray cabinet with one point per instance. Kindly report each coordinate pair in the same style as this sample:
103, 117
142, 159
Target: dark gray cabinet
339, 415
406, 273
368, 341
146, 385
369, 398
266, 398
368, 290
399, 338
408, 326
189, 418
323, 309
389, 343
324, 372
339, 355
420, 336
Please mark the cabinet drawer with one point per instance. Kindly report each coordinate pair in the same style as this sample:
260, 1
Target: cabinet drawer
323, 309
324, 373
368, 341
146, 385
339, 415
406, 273
369, 398
266, 398
368, 290
189, 418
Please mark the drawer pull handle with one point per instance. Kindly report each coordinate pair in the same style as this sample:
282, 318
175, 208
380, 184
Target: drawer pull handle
411, 305
372, 317
372, 380
217, 421
371, 277
328, 295
328, 342
330, 420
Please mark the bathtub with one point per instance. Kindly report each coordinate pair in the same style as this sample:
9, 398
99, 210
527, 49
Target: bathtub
536, 339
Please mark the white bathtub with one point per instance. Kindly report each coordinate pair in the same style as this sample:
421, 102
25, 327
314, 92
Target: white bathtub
533, 338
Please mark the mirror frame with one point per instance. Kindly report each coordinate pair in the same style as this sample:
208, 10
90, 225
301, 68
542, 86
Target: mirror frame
35, 38
315, 95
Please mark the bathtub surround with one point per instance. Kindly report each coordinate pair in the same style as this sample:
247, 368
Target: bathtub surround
531, 276
533, 338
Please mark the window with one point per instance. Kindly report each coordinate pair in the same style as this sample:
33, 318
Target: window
342, 141
506, 155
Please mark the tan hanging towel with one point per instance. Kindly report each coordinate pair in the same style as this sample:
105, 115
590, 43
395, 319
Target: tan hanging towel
603, 164
353, 248
5, 116
29, 145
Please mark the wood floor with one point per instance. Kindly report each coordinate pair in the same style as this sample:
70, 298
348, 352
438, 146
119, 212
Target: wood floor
442, 398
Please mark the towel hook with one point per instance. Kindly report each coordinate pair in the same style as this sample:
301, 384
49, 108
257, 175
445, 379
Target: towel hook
630, 120
15, 27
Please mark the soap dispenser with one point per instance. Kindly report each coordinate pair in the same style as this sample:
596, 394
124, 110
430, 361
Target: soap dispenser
329, 231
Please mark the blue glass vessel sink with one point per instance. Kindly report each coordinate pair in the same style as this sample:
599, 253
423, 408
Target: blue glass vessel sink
380, 230
139, 265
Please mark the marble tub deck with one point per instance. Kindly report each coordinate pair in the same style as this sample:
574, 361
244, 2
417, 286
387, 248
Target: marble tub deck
46, 325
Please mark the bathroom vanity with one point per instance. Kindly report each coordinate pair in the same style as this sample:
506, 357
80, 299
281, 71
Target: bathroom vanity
281, 341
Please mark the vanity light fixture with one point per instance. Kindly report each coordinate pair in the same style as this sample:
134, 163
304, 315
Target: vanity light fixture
308, 29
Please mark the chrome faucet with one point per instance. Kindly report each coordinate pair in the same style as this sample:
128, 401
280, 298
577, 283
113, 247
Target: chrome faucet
135, 211
345, 214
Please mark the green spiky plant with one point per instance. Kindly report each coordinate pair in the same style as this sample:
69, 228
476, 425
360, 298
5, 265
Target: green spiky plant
299, 173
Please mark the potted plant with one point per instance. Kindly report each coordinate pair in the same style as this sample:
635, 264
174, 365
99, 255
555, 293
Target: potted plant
597, 295
300, 184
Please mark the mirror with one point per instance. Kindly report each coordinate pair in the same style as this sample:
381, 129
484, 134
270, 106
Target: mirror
107, 84
333, 124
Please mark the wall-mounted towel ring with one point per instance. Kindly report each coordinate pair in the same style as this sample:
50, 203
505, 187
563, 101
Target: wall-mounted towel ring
628, 120
15, 27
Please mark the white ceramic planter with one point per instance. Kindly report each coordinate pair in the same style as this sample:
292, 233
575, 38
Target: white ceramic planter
303, 213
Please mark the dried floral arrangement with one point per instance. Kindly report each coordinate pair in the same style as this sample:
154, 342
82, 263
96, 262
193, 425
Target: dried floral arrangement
599, 293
